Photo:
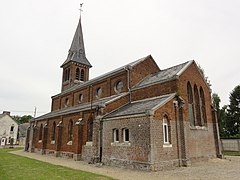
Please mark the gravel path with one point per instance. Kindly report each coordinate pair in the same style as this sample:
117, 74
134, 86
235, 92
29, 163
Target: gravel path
228, 168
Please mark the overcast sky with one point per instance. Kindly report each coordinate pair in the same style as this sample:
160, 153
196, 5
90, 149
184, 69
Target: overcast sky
35, 37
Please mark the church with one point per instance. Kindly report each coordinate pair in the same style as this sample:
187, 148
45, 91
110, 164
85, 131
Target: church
137, 116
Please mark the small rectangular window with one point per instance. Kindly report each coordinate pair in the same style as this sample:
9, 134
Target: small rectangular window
12, 127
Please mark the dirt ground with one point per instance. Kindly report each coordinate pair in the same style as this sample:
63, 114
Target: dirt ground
227, 168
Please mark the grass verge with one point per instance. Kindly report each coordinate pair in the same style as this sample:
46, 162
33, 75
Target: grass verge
231, 153
17, 167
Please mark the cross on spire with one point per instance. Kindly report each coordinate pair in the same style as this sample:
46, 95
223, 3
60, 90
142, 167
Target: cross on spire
81, 4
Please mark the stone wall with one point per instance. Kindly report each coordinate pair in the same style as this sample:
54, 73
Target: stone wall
136, 152
230, 145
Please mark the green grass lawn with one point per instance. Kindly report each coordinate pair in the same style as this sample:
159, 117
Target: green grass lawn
17, 167
230, 153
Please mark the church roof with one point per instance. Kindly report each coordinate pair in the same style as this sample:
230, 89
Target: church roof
164, 75
141, 107
81, 107
77, 51
106, 75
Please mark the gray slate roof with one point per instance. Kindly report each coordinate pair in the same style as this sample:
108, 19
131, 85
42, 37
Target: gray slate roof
81, 107
77, 50
163, 75
141, 107
23, 129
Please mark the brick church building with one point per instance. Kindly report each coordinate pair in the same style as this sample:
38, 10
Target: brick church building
136, 116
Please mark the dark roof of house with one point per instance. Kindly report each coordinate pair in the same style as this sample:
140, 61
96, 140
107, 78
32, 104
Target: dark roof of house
164, 75
141, 107
99, 78
77, 51
81, 107
23, 129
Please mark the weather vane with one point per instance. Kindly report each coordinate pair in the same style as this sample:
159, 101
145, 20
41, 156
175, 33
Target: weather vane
81, 4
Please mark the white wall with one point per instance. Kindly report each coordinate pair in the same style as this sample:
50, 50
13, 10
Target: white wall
5, 126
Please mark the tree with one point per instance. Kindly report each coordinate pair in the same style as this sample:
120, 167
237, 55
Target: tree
204, 75
216, 101
221, 115
22, 119
233, 114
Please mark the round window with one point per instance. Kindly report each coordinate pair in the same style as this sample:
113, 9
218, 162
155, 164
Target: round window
80, 98
98, 92
118, 87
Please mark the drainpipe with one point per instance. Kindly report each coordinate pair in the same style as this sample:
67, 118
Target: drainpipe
175, 102
100, 142
128, 69
152, 146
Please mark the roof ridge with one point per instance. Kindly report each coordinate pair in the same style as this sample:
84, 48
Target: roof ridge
121, 68
153, 98
174, 66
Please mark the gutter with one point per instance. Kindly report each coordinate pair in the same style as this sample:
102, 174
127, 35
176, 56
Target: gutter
128, 69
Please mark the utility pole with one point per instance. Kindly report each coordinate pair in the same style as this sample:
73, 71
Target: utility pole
35, 111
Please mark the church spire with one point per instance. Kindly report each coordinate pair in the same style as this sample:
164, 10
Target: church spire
76, 66
76, 52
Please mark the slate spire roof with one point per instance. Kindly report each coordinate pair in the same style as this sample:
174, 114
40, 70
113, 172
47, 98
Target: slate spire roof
76, 52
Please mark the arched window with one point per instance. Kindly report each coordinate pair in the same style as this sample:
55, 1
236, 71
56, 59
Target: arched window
125, 133
203, 107
82, 75
190, 104
77, 73
90, 129
53, 131
197, 106
40, 132
115, 135
70, 130
166, 130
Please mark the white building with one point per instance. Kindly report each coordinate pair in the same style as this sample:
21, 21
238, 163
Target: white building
8, 129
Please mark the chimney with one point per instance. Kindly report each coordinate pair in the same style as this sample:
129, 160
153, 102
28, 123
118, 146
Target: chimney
6, 112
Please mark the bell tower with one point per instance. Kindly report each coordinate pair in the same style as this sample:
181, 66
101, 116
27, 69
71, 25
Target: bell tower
76, 66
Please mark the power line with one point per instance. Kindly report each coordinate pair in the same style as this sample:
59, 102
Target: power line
23, 111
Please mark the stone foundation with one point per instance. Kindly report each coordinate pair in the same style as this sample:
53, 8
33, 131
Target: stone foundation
145, 166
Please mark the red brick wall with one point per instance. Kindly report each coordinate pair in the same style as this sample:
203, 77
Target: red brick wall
72, 78
84, 92
141, 70
165, 156
116, 104
154, 90
199, 142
